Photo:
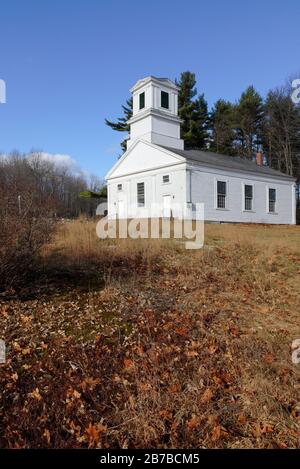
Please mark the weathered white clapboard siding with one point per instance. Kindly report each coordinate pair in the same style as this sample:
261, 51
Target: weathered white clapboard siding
204, 189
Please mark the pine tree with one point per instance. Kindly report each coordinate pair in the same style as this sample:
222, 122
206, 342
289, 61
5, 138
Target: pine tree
191, 109
187, 91
201, 123
193, 112
121, 124
249, 120
222, 128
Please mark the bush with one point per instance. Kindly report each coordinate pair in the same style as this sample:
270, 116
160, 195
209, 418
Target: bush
26, 216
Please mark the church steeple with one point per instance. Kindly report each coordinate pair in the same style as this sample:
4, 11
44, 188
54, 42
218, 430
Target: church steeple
155, 113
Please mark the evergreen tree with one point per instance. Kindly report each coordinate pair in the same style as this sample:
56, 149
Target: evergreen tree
121, 124
191, 109
187, 91
193, 112
222, 127
249, 121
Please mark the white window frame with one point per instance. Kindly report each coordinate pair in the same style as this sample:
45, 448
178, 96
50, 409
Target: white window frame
118, 187
220, 179
168, 181
244, 197
160, 100
268, 200
137, 194
139, 99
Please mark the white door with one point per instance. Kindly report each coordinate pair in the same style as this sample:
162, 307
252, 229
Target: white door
121, 208
166, 206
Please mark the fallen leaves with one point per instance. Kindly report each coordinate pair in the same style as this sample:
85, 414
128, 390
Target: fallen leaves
76, 394
206, 396
35, 394
241, 419
4, 311
264, 309
26, 366
193, 422
26, 319
218, 432
23, 350
174, 388
93, 432
73, 393
47, 436
128, 364
268, 358
212, 349
191, 353
171, 366
165, 414
89, 383
261, 429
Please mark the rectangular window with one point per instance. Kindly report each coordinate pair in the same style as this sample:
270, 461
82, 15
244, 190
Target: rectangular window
141, 194
248, 197
166, 178
272, 200
119, 187
165, 100
142, 100
221, 194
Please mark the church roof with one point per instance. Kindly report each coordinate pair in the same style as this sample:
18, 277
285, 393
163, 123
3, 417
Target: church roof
216, 160
160, 81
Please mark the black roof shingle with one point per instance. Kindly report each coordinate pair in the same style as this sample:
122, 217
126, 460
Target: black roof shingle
234, 163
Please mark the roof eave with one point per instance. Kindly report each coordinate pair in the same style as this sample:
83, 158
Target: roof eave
283, 177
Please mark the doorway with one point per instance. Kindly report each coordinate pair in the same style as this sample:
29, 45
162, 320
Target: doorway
166, 206
121, 208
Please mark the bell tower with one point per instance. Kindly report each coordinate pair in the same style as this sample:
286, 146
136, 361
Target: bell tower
155, 113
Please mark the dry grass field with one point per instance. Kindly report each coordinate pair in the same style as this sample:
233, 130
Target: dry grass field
143, 344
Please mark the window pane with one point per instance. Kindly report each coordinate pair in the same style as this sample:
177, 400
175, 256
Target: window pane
272, 200
222, 188
221, 194
165, 100
142, 100
248, 197
271, 206
166, 178
272, 195
248, 191
248, 204
221, 201
141, 194
119, 187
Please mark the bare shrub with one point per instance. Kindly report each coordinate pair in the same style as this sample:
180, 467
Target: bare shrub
26, 216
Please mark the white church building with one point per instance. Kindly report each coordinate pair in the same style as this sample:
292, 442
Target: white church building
157, 177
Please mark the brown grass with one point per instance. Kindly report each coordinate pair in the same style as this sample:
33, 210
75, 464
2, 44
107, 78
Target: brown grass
142, 343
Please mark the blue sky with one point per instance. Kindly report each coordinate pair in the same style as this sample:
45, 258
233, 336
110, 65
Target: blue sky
68, 64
